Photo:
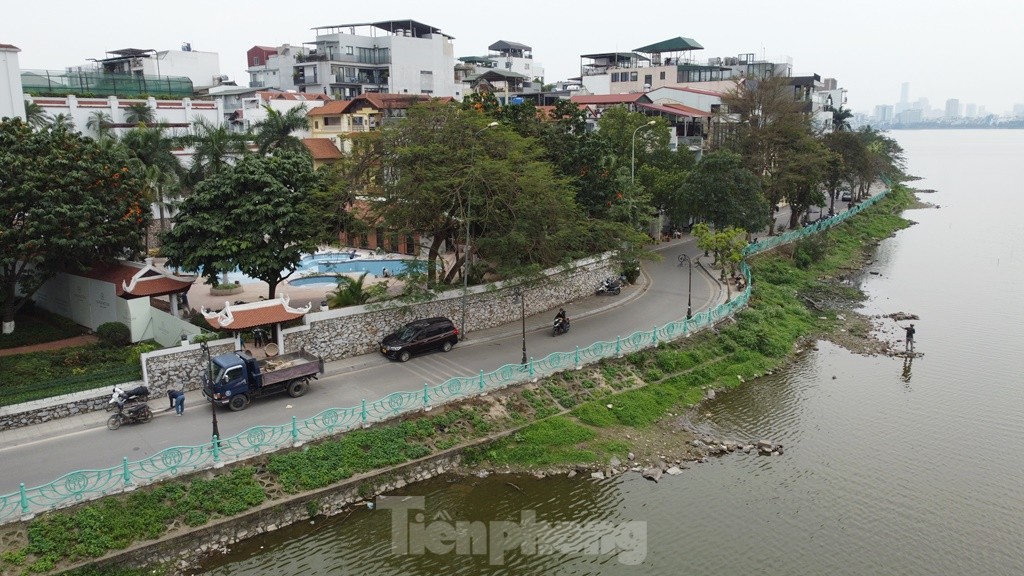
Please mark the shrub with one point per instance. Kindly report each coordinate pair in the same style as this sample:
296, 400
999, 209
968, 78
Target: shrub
114, 334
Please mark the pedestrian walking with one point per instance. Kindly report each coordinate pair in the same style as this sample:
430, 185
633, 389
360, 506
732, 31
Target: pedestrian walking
177, 398
909, 345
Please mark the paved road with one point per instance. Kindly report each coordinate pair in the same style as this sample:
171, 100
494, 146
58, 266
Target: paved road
39, 454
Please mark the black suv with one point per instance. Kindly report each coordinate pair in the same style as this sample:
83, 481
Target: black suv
418, 336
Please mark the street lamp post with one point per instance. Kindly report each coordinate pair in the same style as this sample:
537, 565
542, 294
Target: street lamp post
689, 284
465, 263
632, 153
518, 292
209, 378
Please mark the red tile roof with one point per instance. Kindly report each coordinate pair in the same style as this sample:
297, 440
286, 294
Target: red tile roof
322, 148
332, 108
135, 279
253, 314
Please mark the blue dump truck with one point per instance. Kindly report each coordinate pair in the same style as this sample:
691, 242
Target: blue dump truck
238, 378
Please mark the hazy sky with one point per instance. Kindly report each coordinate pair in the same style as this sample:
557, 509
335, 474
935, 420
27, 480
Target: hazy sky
944, 49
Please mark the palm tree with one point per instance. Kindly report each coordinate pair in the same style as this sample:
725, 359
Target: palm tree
212, 145
139, 113
841, 119
154, 147
100, 123
353, 292
63, 121
36, 116
163, 189
275, 132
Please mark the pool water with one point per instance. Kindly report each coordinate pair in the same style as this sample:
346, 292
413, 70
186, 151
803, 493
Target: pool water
320, 268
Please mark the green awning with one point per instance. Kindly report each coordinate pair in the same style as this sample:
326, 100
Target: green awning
677, 44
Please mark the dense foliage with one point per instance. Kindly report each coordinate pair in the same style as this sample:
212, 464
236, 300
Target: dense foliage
65, 202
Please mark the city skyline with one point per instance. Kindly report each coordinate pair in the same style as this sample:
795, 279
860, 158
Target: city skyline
869, 50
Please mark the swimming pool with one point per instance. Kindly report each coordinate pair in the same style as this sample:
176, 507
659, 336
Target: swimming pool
320, 268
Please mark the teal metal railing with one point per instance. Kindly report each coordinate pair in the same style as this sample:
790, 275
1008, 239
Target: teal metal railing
88, 484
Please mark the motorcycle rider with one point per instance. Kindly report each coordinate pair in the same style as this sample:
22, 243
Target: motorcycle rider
561, 321
561, 315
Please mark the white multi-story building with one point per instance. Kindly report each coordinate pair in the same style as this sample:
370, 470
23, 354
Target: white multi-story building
393, 56
12, 102
202, 68
518, 58
670, 63
271, 67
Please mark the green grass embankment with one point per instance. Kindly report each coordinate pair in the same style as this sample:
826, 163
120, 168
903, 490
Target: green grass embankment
562, 420
675, 374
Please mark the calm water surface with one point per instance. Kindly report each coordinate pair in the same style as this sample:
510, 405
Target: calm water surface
890, 468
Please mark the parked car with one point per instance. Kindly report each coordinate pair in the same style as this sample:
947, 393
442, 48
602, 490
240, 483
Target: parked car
420, 336
847, 196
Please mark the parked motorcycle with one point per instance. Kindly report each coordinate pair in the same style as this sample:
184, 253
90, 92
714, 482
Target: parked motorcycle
561, 326
131, 406
609, 286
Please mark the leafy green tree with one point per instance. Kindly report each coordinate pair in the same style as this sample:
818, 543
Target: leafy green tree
65, 202
139, 113
276, 131
723, 192
353, 175
255, 216
442, 167
772, 136
848, 153
354, 292
585, 159
36, 115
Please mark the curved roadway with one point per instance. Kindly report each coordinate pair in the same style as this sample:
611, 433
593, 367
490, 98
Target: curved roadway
51, 450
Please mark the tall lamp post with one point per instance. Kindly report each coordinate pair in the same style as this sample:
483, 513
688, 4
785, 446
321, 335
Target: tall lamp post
209, 378
632, 153
465, 263
689, 283
518, 292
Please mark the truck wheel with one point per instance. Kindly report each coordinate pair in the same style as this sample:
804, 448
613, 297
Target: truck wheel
114, 422
447, 346
297, 388
238, 403
404, 356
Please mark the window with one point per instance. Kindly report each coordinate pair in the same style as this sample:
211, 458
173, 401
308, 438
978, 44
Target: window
348, 50
255, 60
380, 238
662, 75
648, 79
615, 76
632, 76
426, 82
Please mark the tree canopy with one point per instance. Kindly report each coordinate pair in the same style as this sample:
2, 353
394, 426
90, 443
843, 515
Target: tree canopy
66, 202
723, 192
255, 215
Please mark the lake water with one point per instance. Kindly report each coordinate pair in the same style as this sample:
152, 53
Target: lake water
890, 467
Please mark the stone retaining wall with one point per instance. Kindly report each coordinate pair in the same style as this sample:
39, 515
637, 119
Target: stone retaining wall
181, 552
356, 330
30, 413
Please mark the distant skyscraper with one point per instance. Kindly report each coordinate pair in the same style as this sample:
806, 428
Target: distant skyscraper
971, 111
904, 102
952, 108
